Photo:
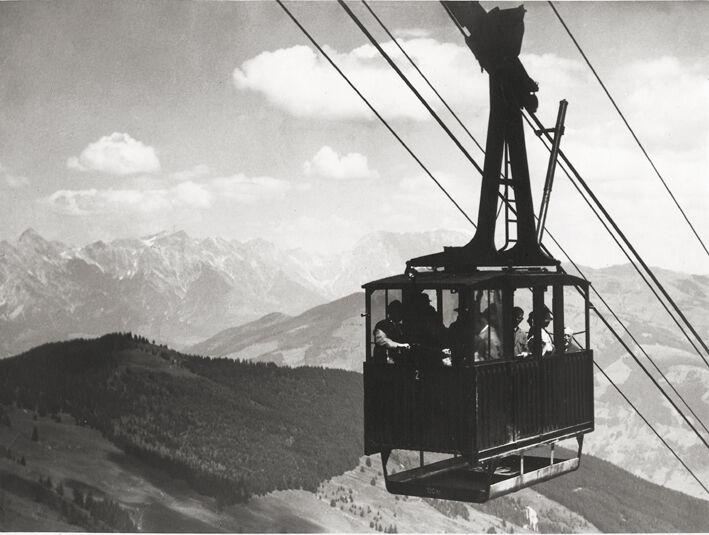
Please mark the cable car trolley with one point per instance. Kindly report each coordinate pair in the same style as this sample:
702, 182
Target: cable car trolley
477, 357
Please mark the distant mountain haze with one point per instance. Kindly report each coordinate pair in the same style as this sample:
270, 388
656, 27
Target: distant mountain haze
175, 288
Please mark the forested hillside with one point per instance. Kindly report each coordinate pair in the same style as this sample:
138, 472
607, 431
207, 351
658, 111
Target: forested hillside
231, 429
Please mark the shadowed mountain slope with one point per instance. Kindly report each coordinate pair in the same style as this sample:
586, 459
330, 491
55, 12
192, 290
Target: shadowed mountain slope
229, 428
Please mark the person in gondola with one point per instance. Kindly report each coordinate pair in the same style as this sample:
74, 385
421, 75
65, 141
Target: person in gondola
521, 349
460, 339
487, 343
547, 342
570, 345
428, 332
389, 341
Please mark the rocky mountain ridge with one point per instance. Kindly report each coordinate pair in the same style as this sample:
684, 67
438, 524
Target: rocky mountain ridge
175, 288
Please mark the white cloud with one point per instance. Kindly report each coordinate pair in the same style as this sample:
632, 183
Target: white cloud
328, 164
666, 103
189, 193
248, 189
11, 180
411, 32
303, 83
184, 195
117, 154
198, 171
94, 201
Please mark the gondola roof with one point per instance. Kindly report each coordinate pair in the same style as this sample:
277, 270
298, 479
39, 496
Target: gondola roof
478, 279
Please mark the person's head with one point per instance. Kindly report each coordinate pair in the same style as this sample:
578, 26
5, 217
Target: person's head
568, 334
423, 300
530, 319
547, 317
395, 310
518, 315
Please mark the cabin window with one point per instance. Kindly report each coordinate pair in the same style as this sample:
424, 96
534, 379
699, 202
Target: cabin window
542, 321
488, 310
575, 338
450, 300
476, 326
377, 312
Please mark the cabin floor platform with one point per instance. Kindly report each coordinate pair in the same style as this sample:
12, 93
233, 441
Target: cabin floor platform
456, 479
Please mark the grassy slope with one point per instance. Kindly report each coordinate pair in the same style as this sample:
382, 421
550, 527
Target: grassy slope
215, 419
616, 501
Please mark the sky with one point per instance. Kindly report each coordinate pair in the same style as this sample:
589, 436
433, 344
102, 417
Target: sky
123, 119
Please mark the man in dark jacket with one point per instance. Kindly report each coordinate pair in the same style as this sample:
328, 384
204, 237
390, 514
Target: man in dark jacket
389, 335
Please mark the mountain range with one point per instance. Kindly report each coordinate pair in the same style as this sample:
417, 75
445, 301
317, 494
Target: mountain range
174, 288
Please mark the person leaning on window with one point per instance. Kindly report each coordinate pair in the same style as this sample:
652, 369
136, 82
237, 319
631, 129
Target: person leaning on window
389, 335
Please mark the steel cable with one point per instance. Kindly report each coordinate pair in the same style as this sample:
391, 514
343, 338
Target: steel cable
632, 132
307, 34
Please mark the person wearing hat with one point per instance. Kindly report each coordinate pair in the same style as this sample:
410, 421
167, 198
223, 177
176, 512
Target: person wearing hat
389, 335
570, 345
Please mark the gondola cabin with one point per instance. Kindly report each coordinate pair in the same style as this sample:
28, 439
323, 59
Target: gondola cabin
474, 353
468, 387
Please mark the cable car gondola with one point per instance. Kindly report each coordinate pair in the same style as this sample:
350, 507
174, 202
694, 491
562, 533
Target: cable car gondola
463, 383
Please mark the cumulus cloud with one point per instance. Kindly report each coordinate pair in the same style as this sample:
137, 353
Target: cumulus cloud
11, 180
189, 193
249, 189
412, 32
665, 101
304, 84
117, 154
198, 171
125, 201
329, 164
186, 194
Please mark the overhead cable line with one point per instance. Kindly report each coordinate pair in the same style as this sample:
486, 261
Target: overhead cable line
455, 116
384, 122
653, 429
625, 240
452, 136
625, 328
632, 262
415, 91
632, 132
659, 285
399, 139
